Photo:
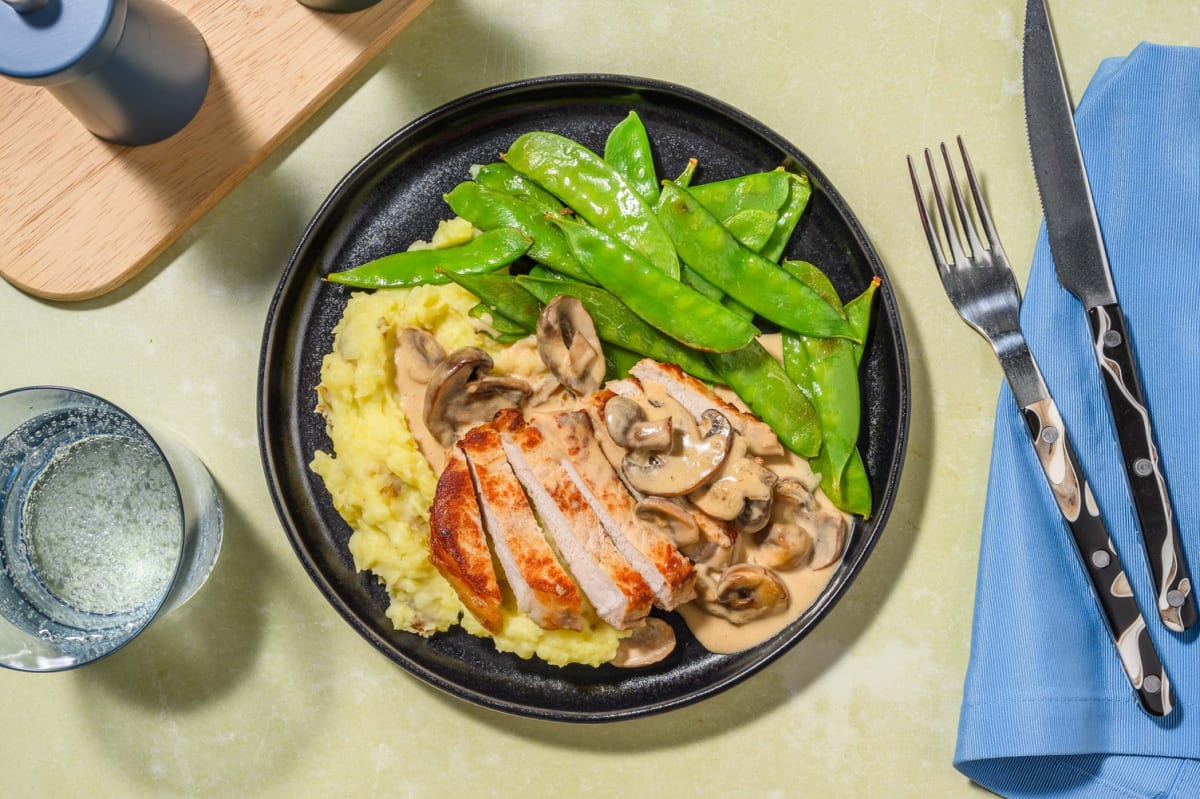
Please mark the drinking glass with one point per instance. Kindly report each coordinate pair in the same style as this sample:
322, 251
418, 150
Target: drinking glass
106, 523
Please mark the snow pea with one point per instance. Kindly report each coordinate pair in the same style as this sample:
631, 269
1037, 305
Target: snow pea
826, 370
759, 191
627, 150
661, 300
488, 209
485, 253
761, 382
595, 191
499, 176
858, 314
798, 197
748, 205
618, 361
502, 330
616, 324
811, 275
503, 297
851, 489
752, 227
706, 246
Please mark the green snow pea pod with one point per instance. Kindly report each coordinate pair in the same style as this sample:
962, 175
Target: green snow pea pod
627, 150
542, 273
499, 176
832, 385
761, 191
488, 209
616, 324
503, 330
684, 179
789, 215
665, 302
858, 314
812, 276
850, 490
618, 361
752, 227
826, 371
697, 281
595, 191
689, 171
485, 253
706, 246
756, 377
501, 295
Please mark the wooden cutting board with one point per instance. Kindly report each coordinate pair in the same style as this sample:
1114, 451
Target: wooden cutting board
79, 216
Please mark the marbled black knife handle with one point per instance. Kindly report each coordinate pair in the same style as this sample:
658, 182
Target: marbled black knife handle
1151, 500
1099, 558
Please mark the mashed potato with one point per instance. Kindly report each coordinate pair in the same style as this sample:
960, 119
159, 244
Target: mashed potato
383, 487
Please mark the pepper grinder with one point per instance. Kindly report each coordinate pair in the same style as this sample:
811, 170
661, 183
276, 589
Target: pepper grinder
338, 6
132, 71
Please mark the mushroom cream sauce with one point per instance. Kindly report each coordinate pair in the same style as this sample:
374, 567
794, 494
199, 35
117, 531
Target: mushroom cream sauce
382, 475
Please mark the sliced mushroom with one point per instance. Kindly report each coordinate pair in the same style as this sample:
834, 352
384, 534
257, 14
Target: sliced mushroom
755, 512
789, 540
671, 520
747, 592
627, 424
829, 539
461, 392
648, 644
418, 353
740, 492
696, 454
569, 346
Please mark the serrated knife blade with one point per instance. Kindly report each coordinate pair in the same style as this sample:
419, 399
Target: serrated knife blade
1081, 261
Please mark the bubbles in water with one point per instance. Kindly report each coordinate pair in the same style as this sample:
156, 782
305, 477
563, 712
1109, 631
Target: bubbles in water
102, 525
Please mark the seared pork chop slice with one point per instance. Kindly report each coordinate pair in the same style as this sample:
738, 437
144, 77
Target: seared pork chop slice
669, 574
458, 546
542, 587
619, 594
593, 405
697, 398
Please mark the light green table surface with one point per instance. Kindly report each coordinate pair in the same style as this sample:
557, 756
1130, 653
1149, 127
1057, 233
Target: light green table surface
258, 688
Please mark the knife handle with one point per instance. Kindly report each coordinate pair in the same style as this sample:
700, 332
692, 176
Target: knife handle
1099, 558
1151, 501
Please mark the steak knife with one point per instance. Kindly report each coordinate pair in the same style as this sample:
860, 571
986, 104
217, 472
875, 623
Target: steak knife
1077, 247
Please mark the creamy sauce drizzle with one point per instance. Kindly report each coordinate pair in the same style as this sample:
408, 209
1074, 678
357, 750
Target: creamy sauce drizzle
714, 633
717, 635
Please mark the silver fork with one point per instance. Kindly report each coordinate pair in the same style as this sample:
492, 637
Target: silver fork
981, 286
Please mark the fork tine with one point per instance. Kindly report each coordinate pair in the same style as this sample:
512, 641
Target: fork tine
964, 216
956, 250
985, 216
923, 211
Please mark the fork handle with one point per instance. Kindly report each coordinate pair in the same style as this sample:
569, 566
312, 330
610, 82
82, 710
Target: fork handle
1098, 556
1151, 500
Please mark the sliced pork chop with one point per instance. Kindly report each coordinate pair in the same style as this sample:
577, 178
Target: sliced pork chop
542, 587
458, 546
619, 594
697, 398
593, 405
669, 574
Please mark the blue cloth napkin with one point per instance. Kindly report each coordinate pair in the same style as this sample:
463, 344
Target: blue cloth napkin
1047, 711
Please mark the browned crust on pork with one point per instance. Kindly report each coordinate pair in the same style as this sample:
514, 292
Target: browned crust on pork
553, 600
458, 546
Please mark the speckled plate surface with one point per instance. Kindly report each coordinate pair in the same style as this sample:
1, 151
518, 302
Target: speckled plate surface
395, 196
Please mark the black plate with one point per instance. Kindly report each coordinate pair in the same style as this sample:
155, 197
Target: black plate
393, 197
